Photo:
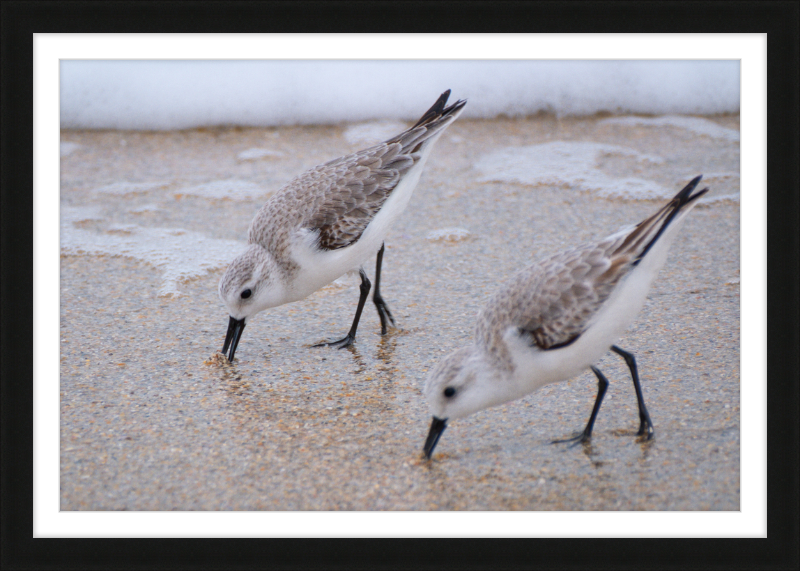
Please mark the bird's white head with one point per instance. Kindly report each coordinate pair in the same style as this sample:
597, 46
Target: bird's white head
460, 384
251, 284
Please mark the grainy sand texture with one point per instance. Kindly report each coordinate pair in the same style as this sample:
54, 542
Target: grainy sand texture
150, 419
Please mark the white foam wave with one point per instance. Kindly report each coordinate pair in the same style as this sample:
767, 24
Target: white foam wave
181, 94
256, 154
230, 189
574, 164
126, 187
693, 124
179, 254
448, 235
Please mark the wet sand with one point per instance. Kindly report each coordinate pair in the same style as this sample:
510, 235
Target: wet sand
150, 420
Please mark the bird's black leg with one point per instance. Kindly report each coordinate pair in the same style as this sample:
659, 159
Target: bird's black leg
645, 424
585, 436
383, 310
348, 339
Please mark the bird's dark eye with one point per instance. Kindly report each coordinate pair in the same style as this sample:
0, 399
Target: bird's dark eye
449, 391
246, 293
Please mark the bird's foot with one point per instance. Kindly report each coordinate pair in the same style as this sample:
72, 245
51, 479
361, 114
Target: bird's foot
345, 341
577, 438
646, 431
384, 314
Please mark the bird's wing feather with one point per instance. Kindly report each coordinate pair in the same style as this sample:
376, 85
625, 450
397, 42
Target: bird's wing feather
565, 291
350, 191
337, 200
554, 301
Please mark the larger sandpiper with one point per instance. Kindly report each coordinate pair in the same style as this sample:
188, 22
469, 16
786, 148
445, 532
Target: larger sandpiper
555, 319
329, 221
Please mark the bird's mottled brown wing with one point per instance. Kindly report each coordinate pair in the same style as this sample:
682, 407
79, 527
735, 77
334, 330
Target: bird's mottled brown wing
359, 184
337, 200
554, 300
568, 292
356, 188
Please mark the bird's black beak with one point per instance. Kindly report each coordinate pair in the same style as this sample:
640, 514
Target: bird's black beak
235, 328
437, 427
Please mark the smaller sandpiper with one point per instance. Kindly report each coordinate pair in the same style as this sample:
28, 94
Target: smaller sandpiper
555, 319
329, 221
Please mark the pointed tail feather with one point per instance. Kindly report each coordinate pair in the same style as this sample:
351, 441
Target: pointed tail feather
432, 123
438, 110
653, 228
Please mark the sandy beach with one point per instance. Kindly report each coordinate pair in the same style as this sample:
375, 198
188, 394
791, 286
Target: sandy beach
151, 419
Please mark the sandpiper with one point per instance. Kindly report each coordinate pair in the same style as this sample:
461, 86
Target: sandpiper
329, 221
555, 319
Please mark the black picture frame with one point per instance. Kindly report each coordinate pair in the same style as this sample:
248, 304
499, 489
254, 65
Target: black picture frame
779, 20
